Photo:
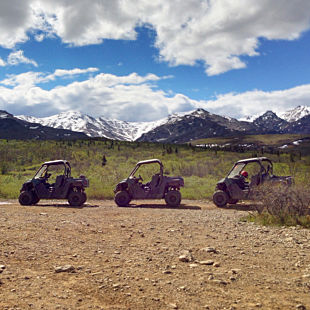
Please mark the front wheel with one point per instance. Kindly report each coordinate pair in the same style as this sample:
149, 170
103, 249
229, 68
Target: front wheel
122, 198
220, 198
25, 198
84, 197
173, 198
76, 199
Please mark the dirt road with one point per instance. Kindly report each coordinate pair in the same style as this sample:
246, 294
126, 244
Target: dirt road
148, 256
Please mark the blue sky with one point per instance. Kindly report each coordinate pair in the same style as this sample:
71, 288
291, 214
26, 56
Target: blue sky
140, 61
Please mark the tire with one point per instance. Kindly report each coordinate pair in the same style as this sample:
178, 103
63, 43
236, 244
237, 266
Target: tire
76, 199
173, 198
220, 198
232, 201
25, 198
35, 199
84, 197
122, 198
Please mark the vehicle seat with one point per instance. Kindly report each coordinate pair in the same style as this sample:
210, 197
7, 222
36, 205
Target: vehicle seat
59, 180
255, 179
155, 181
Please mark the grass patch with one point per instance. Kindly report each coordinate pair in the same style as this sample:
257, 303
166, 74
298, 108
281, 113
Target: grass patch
267, 219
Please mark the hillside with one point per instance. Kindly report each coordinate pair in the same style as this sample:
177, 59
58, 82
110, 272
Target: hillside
180, 127
15, 128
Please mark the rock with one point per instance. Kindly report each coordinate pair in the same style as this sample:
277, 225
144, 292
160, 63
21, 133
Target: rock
301, 307
173, 306
2, 267
186, 257
193, 265
65, 268
167, 272
209, 250
183, 258
217, 264
206, 262
235, 271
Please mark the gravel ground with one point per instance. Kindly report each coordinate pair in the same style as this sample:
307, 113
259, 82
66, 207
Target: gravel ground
148, 256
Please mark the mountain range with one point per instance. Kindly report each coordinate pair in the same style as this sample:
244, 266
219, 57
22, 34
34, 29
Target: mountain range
176, 128
12, 127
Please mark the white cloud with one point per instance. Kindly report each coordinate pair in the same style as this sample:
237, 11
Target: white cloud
18, 57
216, 32
257, 102
2, 62
131, 97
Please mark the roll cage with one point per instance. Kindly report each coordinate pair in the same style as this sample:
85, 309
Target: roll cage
43, 170
239, 166
147, 162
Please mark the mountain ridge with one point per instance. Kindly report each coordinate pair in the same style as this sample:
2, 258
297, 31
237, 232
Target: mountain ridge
178, 127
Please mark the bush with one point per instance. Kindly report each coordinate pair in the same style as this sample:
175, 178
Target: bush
282, 205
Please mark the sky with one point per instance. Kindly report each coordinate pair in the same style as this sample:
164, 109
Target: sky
143, 60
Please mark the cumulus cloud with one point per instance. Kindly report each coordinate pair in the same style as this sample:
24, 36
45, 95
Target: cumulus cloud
18, 57
256, 102
216, 32
2, 62
131, 97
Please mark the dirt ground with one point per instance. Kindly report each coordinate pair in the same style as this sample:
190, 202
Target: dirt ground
148, 256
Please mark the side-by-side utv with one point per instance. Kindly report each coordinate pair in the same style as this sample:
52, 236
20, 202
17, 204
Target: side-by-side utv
159, 186
64, 187
235, 186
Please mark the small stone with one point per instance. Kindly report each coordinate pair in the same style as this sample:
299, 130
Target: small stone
65, 268
235, 271
183, 258
167, 272
186, 257
173, 306
206, 262
220, 282
209, 250
216, 264
193, 265
300, 307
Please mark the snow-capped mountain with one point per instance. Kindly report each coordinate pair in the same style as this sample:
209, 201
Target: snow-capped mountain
295, 114
14, 128
95, 127
178, 127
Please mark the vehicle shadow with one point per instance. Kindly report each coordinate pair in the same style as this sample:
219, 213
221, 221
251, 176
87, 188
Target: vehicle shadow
244, 207
162, 206
65, 205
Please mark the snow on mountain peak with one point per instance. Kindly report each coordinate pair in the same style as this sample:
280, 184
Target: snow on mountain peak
295, 114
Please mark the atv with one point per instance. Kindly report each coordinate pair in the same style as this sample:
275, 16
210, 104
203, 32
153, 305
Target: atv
159, 186
235, 187
63, 187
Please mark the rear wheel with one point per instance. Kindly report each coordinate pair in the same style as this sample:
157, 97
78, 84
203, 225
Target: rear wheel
76, 199
25, 198
35, 199
122, 198
173, 198
220, 198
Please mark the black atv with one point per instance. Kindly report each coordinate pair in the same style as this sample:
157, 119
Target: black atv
159, 187
63, 187
235, 187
